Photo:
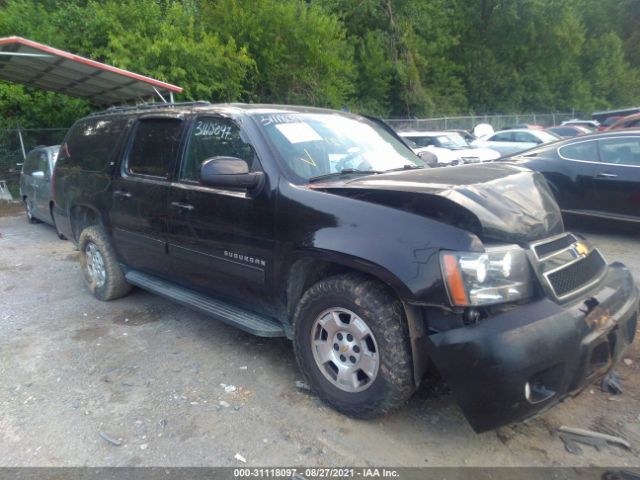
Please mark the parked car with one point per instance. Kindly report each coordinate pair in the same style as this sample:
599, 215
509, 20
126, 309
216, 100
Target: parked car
607, 122
449, 147
324, 227
508, 142
631, 121
624, 112
590, 124
568, 131
528, 126
35, 184
596, 175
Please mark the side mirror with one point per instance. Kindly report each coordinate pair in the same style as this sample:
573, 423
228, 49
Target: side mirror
38, 174
229, 172
429, 158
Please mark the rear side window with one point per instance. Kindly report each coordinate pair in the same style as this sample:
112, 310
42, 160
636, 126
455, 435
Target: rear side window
621, 151
502, 137
90, 144
154, 148
525, 137
585, 151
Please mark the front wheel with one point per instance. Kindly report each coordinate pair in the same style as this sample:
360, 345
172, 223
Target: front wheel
102, 272
352, 345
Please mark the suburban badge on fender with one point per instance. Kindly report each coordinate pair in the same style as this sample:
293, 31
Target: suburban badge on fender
245, 258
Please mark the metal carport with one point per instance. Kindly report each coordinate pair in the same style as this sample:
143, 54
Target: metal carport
41, 66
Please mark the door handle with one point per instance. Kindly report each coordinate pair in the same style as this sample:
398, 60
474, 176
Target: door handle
606, 175
184, 206
121, 194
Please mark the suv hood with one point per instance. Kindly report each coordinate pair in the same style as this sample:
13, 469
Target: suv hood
496, 201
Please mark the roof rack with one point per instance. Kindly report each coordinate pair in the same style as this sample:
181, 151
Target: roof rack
150, 106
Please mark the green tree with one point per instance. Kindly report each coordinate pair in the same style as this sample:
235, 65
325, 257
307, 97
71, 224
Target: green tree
386, 57
300, 51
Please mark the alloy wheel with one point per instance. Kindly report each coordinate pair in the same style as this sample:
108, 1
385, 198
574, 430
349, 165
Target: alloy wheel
345, 350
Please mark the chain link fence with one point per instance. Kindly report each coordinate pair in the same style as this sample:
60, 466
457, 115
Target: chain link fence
498, 122
15, 143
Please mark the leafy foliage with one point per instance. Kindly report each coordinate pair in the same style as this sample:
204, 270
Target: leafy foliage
384, 57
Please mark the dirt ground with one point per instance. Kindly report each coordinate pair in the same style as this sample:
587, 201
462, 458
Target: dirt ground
10, 208
141, 381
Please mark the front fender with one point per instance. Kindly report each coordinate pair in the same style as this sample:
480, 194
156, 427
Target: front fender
399, 247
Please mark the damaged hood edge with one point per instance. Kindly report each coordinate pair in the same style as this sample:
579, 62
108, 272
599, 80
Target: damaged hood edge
509, 203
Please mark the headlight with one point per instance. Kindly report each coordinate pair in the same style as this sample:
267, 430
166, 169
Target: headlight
497, 275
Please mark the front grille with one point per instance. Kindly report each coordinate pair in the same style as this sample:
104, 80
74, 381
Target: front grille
544, 249
577, 274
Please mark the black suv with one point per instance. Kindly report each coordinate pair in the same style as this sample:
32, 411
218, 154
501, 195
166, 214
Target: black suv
324, 227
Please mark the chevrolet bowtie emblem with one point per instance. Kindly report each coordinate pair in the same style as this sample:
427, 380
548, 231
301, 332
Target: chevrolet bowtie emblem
344, 349
582, 249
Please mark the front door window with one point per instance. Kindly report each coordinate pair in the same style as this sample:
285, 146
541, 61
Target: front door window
214, 137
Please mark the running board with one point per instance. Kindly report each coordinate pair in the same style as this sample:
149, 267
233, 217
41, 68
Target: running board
248, 321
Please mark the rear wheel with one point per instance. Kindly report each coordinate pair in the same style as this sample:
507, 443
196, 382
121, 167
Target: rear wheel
102, 272
28, 208
352, 345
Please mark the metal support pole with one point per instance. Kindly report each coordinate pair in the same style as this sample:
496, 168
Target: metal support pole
160, 95
171, 97
24, 153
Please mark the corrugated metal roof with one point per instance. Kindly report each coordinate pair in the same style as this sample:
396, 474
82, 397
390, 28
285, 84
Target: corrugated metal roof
40, 66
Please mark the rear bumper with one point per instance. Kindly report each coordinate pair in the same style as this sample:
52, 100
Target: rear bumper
557, 349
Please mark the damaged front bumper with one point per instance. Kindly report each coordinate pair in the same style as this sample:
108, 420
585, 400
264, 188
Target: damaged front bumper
518, 363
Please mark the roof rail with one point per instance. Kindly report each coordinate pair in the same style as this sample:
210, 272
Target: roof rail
149, 106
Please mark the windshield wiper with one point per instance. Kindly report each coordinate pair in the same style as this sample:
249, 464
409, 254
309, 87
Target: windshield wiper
344, 171
408, 166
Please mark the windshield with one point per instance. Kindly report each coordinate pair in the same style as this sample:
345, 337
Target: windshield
316, 144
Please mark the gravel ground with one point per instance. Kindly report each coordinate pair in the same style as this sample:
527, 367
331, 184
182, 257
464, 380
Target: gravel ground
141, 381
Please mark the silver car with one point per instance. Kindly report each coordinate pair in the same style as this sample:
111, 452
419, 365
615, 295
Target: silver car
509, 142
35, 183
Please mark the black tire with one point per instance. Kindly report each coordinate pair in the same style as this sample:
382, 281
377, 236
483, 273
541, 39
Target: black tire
383, 314
114, 284
28, 209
